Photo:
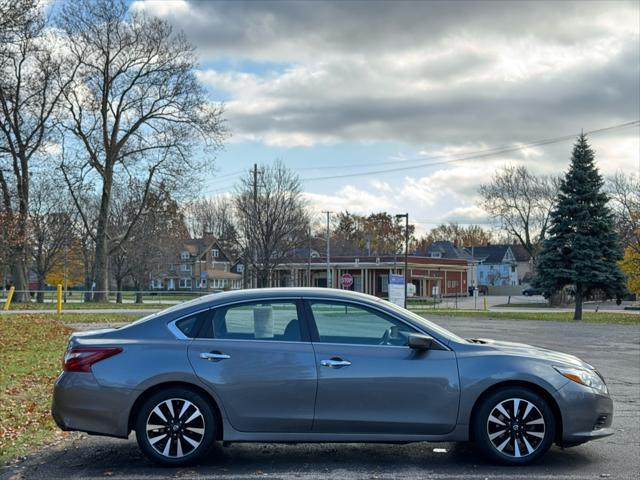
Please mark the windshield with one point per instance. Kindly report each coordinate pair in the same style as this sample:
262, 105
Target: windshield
443, 332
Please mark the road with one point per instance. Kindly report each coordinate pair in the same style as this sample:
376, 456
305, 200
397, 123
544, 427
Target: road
614, 349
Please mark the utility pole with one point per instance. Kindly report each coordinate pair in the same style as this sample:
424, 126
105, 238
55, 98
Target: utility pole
309, 257
406, 252
329, 283
255, 214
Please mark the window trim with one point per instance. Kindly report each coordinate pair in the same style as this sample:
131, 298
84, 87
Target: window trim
307, 322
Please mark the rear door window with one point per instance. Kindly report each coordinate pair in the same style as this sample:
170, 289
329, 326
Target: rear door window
269, 320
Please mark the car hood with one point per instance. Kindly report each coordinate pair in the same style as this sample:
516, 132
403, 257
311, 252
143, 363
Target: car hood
522, 349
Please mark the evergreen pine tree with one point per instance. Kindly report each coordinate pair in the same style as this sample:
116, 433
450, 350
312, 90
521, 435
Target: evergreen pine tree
582, 247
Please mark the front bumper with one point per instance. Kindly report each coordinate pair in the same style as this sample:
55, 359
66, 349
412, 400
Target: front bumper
586, 414
80, 403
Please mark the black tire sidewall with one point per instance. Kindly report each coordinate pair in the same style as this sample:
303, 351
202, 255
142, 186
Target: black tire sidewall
209, 419
482, 414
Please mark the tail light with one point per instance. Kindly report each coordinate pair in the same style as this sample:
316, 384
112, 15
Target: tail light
80, 359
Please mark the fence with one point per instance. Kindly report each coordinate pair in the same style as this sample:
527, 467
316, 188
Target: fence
88, 296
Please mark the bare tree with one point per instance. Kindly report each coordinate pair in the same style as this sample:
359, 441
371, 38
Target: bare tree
136, 111
624, 191
31, 85
460, 235
50, 225
14, 15
162, 221
213, 216
521, 203
272, 219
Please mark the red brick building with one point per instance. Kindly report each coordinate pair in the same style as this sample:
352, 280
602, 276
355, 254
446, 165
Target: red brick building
430, 276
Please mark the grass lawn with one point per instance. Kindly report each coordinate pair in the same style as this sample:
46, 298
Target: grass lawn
588, 317
31, 349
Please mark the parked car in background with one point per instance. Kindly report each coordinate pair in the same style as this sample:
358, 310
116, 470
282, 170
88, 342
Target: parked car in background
321, 365
530, 291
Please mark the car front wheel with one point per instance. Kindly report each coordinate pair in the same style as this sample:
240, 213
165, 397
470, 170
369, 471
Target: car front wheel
175, 427
514, 426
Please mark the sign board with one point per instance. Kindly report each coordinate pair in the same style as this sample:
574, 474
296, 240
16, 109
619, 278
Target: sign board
396, 289
203, 275
346, 280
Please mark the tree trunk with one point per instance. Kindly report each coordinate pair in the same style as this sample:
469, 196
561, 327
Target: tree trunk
119, 292
139, 297
40, 294
101, 264
19, 274
577, 315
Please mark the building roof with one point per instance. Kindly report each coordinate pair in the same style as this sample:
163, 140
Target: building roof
489, 253
448, 250
520, 253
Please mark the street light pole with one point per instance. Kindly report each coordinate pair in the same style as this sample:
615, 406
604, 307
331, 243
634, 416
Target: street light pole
406, 252
329, 285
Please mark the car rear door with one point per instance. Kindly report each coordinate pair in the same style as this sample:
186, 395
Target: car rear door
370, 382
258, 359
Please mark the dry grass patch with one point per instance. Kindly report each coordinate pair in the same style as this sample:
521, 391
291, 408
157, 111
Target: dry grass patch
31, 349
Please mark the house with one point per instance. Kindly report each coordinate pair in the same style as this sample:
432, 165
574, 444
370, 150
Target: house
497, 264
200, 265
525, 263
448, 250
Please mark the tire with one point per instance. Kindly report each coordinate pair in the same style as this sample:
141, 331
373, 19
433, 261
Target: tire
523, 440
185, 425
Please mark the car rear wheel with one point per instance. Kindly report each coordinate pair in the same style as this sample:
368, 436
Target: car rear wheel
514, 426
175, 427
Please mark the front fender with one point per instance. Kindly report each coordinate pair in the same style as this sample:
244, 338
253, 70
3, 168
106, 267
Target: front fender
480, 372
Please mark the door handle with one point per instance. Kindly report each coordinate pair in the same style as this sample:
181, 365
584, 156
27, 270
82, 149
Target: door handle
335, 362
214, 356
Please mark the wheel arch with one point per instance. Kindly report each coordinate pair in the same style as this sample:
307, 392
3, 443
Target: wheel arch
557, 414
172, 384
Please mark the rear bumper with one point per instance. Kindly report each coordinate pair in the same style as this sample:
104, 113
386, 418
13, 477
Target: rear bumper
80, 403
586, 415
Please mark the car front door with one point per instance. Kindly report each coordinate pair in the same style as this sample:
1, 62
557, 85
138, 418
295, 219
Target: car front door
369, 381
258, 359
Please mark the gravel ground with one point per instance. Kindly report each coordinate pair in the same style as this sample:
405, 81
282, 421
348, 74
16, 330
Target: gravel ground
614, 349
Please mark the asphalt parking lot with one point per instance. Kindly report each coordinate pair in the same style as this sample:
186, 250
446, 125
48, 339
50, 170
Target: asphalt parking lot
614, 349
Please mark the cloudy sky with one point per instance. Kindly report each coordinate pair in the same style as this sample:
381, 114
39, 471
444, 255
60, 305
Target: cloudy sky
372, 102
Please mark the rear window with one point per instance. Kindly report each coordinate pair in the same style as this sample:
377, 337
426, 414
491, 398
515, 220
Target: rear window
190, 325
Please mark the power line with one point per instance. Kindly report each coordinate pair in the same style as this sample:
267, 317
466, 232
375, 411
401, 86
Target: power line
476, 155
479, 154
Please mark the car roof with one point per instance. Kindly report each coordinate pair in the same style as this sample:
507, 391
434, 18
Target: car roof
280, 292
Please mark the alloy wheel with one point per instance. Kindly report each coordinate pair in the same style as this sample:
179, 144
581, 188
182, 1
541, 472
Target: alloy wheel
516, 427
175, 428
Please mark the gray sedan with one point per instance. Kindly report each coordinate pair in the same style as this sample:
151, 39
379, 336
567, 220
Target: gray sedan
321, 365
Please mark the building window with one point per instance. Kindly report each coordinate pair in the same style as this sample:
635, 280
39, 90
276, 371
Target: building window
453, 284
184, 255
185, 267
215, 253
185, 283
435, 255
156, 283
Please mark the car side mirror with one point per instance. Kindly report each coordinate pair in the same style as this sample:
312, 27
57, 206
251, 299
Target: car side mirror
419, 342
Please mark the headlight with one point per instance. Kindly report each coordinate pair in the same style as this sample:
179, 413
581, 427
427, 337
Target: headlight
584, 377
